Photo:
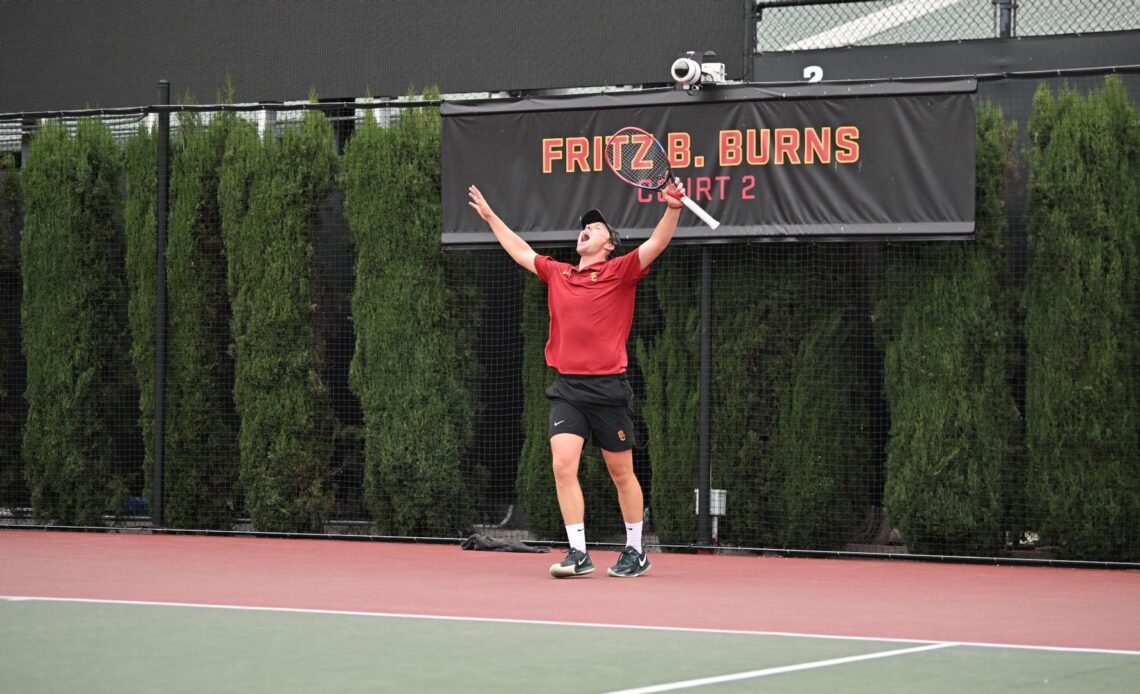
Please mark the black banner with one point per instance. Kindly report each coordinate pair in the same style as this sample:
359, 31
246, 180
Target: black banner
811, 161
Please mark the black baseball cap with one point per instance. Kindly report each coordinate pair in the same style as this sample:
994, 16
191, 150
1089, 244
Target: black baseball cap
592, 216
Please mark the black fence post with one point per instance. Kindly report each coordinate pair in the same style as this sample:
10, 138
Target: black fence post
161, 205
1005, 18
704, 389
751, 17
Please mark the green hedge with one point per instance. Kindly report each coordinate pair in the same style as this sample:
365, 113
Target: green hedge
790, 428
1081, 323
413, 366
74, 322
753, 322
946, 321
13, 490
535, 483
820, 445
139, 225
786, 353
270, 193
670, 363
201, 457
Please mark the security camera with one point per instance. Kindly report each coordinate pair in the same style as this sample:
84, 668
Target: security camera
686, 72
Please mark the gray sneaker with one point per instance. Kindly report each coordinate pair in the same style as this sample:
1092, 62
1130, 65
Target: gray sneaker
576, 563
630, 564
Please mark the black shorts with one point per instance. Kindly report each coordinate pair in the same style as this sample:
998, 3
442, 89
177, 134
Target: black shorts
597, 407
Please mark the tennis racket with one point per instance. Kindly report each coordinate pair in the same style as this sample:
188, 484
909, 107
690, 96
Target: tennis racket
637, 158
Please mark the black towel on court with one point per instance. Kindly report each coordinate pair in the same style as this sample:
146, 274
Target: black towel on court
490, 544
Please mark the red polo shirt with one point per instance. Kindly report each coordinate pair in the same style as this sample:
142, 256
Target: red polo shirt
591, 312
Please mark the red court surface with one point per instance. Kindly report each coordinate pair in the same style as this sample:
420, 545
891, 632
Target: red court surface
1008, 605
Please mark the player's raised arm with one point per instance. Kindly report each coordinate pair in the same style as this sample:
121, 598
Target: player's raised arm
511, 242
663, 233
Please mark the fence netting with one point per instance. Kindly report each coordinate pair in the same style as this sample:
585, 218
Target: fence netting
331, 370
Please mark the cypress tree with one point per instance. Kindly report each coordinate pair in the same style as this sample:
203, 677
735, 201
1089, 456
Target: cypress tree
791, 441
820, 443
1081, 323
74, 324
946, 321
413, 367
670, 362
201, 457
535, 483
270, 193
141, 241
754, 320
13, 491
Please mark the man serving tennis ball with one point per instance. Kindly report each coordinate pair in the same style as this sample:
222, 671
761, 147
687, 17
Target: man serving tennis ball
591, 312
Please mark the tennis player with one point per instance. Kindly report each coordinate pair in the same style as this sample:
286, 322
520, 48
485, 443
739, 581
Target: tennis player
591, 312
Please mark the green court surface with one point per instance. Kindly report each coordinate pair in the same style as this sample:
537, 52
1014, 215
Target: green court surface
49, 645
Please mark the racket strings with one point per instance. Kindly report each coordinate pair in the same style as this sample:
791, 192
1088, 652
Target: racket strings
637, 158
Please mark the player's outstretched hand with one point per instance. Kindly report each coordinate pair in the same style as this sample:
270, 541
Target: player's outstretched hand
673, 193
477, 201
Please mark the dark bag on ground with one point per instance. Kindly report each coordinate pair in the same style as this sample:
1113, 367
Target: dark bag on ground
490, 544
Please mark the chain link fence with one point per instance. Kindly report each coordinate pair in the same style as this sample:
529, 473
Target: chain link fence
804, 333
799, 25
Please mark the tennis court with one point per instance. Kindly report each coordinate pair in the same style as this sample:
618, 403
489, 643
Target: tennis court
167, 613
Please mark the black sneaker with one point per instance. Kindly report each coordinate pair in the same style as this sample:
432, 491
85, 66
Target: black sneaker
630, 564
576, 563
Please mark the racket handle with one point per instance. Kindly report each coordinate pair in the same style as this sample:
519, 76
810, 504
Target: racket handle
699, 211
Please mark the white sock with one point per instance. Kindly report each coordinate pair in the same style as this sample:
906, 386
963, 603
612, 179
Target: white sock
576, 533
633, 536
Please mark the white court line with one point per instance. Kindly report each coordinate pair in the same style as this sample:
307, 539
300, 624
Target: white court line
543, 622
766, 672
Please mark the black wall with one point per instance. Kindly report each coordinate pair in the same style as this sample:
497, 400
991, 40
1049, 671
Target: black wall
67, 54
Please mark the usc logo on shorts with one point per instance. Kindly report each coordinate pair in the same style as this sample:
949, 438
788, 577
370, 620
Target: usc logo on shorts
621, 435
